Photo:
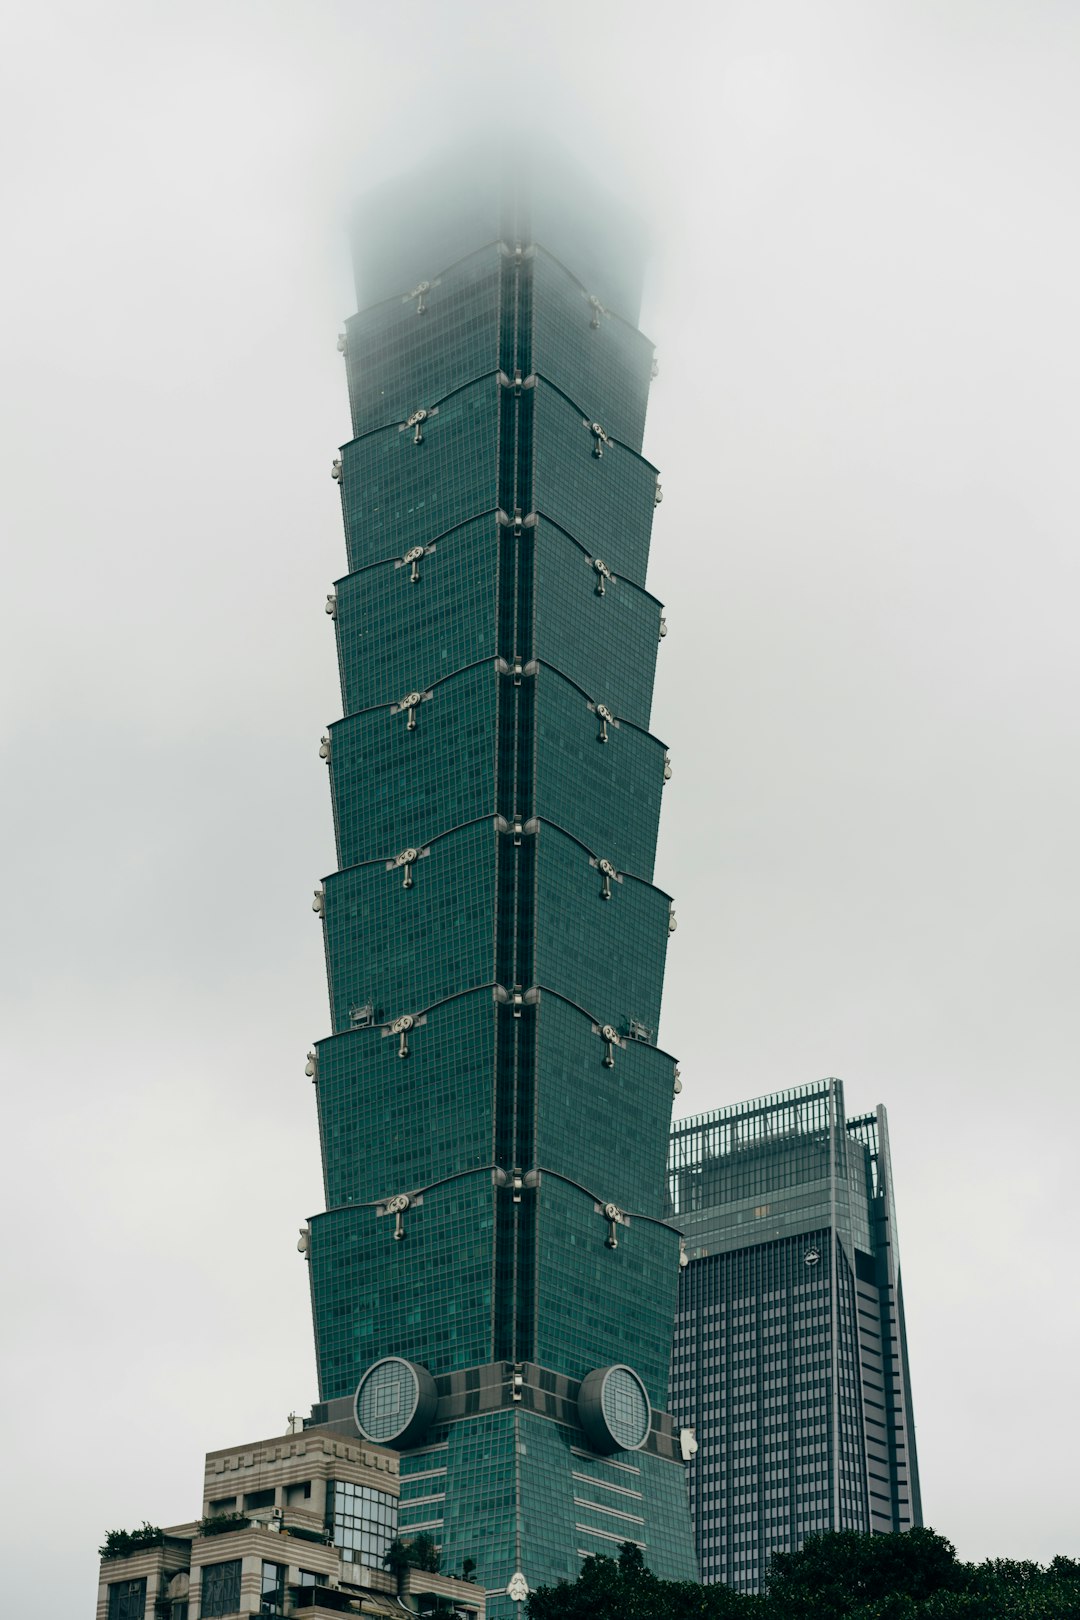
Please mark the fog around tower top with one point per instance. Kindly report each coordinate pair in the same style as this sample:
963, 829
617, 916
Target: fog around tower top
527, 189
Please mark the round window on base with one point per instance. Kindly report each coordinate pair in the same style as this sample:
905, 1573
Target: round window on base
614, 1409
395, 1402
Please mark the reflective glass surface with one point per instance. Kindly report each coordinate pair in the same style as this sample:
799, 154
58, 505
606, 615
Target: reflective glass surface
362, 1521
220, 1589
127, 1600
273, 1589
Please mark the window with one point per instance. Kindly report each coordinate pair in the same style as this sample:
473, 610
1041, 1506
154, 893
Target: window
127, 1600
311, 1577
363, 1521
224, 1504
258, 1499
220, 1588
273, 1589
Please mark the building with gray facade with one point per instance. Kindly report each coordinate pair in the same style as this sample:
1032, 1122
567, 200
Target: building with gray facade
790, 1356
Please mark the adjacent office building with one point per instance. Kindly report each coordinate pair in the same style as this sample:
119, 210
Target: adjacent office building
298, 1523
790, 1356
493, 1279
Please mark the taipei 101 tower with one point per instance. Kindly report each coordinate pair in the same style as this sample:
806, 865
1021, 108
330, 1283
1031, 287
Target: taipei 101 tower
493, 1282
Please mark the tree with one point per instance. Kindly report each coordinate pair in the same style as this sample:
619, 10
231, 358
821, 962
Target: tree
396, 1559
420, 1553
628, 1590
122, 1543
841, 1575
836, 1574
424, 1554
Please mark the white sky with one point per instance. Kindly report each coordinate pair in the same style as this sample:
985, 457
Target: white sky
866, 420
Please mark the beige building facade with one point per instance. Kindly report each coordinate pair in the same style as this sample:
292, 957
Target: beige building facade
297, 1524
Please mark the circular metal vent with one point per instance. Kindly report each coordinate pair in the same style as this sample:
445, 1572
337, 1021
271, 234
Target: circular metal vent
395, 1402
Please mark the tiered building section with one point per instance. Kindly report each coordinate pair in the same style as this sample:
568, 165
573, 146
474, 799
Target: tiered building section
493, 1280
790, 1356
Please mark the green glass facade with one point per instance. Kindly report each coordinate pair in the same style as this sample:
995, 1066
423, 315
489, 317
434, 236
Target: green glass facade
790, 1355
493, 1107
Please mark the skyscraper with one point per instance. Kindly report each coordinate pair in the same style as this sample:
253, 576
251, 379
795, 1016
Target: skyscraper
790, 1355
493, 1280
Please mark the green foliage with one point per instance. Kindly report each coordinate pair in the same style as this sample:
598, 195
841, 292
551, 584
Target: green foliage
628, 1590
424, 1554
122, 1543
219, 1524
468, 1569
838, 1576
396, 1558
421, 1553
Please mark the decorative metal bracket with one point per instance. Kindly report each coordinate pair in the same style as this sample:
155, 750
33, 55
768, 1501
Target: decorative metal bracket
676, 1084
324, 747
343, 343
602, 572
667, 767
311, 1067
606, 718
611, 1039
411, 560
331, 604
396, 1207
517, 522
401, 1027
600, 438
614, 1217
407, 859
410, 703
654, 369
517, 1587
319, 901
663, 628
516, 997
517, 382
658, 494
608, 875
335, 469
418, 293
520, 829
671, 922
517, 669
597, 310
416, 421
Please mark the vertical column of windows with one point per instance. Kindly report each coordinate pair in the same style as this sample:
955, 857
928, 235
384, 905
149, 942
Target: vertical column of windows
508, 1258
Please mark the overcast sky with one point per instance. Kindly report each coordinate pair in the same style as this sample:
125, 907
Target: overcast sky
865, 301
